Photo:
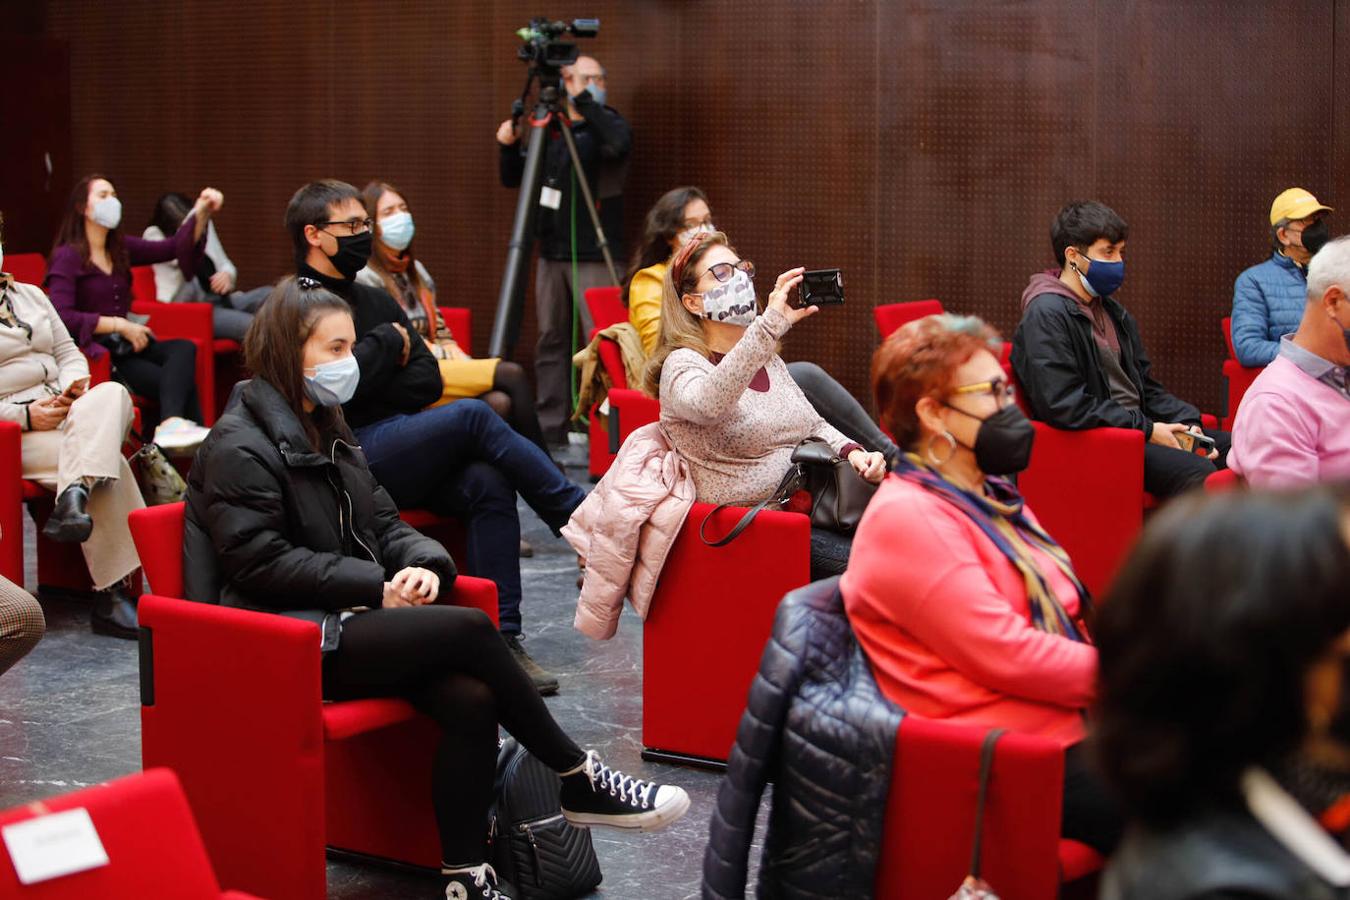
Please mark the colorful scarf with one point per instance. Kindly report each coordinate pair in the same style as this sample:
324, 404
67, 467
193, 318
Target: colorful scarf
1002, 520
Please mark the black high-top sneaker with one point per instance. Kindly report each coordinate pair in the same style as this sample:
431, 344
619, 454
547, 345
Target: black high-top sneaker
595, 794
475, 883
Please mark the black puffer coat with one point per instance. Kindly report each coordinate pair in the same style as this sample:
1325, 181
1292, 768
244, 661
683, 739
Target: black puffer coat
273, 525
817, 726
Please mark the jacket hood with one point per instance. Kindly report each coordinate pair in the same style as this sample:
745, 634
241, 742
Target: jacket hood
1046, 282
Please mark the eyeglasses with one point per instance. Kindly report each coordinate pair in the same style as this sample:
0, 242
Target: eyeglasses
1001, 389
589, 79
724, 271
357, 226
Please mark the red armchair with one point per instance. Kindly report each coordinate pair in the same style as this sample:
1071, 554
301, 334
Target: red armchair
148, 833
185, 321
27, 268
606, 307
628, 411
705, 632
1238, 376
930, 817
231, 700
890, 316
460, 322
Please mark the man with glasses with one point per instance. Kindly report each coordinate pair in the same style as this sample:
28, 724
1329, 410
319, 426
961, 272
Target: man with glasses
1081, 363
460, 459
603, 142
1268, 298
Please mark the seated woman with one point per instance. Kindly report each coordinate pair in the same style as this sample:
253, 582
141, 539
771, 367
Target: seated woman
216, 279
1223, 720
284, 516
499, 383
726, 399
21, 623
72, 444
968, 611
672, 221
89, 281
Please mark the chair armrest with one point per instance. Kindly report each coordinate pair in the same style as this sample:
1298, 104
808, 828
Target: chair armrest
11, 502
475, 593
179, 320
612, 359
629, 410
1209, 421
459, 319
100, 368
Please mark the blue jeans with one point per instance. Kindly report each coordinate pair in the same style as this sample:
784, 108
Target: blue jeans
463, 460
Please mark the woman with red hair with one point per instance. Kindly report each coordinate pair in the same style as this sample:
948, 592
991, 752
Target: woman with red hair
967, 609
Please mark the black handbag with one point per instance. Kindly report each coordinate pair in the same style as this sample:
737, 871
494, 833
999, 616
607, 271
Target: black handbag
533, 846
839, 495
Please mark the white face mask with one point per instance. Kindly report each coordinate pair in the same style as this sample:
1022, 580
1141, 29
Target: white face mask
333, 383
687, 235
396, 230
108, 212
732, 302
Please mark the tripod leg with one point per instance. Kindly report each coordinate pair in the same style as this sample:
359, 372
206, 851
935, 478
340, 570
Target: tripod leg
511, 300
600, 238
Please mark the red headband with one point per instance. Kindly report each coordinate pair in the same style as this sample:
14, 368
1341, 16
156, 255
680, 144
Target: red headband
682, 258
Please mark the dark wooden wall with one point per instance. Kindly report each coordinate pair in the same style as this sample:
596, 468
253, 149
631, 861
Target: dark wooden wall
921, 145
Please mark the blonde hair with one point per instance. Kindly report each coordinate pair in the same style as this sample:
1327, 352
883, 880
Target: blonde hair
680, 329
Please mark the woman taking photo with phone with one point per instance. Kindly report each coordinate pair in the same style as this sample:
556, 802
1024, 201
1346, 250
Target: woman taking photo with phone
727, 401
71, 444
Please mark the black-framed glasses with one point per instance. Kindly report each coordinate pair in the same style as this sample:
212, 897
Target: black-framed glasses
356, 226
724, 271
1001, 389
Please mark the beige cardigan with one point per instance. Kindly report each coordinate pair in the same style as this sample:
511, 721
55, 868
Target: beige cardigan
33, 366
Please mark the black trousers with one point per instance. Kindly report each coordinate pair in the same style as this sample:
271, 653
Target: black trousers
451, 664
166, 372
1168, 472
1090, 814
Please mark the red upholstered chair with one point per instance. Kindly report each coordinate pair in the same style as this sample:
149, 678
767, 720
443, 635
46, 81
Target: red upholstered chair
27, 268
1223, 481
186, 321
1238, 376
232, 700
890, 316
606, 308
705, 632
460, 322
930, 816
148, 833
628, 411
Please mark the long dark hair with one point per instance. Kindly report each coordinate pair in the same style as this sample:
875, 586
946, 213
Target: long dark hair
170, 211
72, 233
274, 350
1205, 642
664, 220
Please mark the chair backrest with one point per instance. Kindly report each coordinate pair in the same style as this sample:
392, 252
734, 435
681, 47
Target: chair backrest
1227, 325
158, 534
154, 848
143, 284
891, 316
930, 814
27, 268
606, 306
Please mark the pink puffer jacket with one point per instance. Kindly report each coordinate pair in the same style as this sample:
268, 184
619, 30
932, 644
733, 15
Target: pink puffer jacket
625, 528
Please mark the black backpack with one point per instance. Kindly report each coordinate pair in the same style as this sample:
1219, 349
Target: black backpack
532, 846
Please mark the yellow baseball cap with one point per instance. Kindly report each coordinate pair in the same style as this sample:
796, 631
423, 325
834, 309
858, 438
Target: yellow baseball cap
1295, 203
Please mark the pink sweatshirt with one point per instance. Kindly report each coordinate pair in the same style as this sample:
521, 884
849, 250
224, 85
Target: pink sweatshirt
1291, 430
945, 620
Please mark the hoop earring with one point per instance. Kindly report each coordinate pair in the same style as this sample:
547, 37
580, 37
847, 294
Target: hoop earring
951, 449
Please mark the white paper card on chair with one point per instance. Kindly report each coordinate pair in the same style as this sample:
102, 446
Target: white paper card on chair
550, 197
51, 846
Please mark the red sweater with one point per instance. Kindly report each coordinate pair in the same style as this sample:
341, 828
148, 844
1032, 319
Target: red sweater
945, 620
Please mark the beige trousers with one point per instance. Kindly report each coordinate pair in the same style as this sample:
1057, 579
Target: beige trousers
88, 445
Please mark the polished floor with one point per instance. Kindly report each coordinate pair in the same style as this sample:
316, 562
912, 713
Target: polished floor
69, 717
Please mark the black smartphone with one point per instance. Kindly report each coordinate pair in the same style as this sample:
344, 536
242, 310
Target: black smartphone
820, 287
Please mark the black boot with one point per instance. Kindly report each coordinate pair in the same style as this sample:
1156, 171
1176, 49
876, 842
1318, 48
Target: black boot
115, 614
69, 523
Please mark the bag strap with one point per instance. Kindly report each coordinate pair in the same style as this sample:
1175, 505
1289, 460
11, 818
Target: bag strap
777, 498
986, 770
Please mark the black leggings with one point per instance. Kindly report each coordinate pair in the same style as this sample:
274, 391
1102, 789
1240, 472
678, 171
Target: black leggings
451, 664
166, 372
512, 398
1091, 814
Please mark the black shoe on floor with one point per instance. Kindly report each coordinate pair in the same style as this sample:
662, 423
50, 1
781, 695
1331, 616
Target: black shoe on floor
526, 550
545, 683
599, 795
69, 523
115, 614
476, 883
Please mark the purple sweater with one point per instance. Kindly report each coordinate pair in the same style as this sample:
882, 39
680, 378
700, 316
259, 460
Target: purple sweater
82, 293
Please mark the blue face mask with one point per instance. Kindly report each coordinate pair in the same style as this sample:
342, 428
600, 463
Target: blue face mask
333, 383
597, 92
396, 230
1102, 278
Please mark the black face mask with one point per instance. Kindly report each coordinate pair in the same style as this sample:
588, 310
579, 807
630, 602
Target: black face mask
1003, 441
352, 254
1315, 236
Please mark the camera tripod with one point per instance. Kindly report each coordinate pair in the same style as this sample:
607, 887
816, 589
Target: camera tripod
549, 112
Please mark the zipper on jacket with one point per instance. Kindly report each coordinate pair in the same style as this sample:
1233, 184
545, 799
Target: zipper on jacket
534, 854
351, 512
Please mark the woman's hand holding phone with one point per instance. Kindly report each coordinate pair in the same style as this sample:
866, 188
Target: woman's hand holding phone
782, 292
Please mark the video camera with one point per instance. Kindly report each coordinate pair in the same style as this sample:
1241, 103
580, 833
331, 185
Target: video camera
542, 47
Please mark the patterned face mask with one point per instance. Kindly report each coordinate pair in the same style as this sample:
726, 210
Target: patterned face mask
732, 302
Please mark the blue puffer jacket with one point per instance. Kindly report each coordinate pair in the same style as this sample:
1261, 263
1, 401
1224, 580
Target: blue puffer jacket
1268, 301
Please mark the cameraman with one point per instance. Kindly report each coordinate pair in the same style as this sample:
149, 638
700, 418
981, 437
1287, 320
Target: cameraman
603, 141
